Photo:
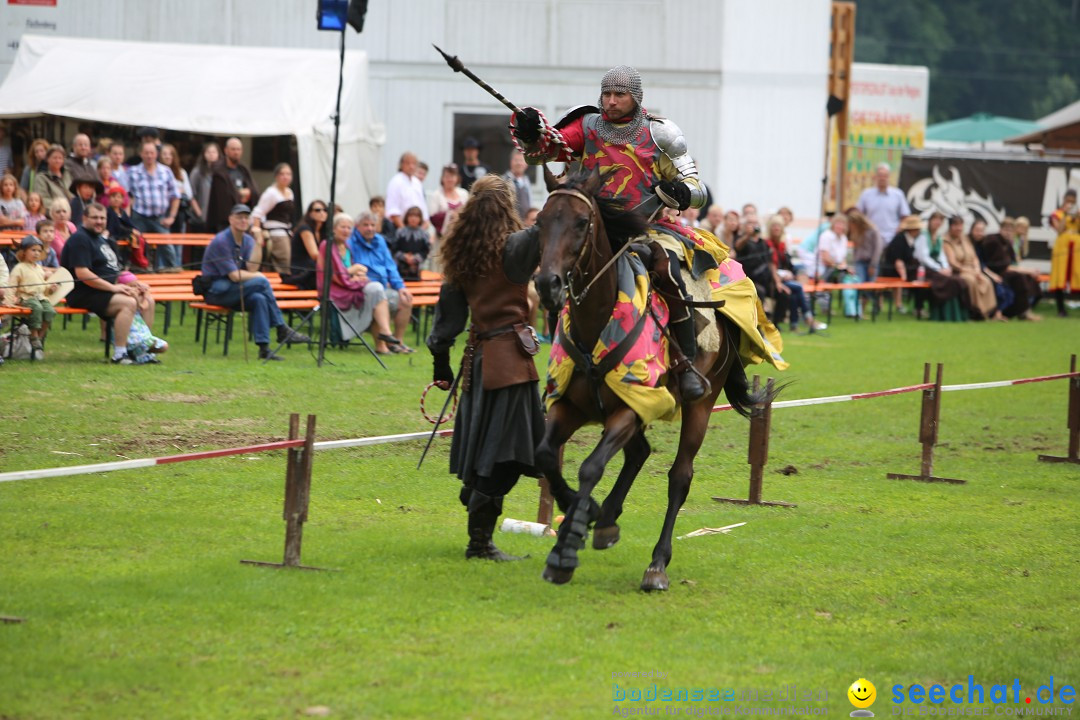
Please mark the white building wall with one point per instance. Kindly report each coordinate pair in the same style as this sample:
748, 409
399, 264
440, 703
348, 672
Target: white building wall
744, 79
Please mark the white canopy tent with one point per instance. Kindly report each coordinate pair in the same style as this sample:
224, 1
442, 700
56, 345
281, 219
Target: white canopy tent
211, 89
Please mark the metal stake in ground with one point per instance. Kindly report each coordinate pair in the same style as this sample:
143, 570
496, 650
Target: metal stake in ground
928, 432
758, 452
1073, 423
297, 494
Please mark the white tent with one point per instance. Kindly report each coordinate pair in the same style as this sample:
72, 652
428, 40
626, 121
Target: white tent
210, 89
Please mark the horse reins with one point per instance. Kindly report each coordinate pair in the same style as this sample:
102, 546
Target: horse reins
592, 233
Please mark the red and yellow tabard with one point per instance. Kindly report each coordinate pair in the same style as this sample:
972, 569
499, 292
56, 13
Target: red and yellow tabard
638, 164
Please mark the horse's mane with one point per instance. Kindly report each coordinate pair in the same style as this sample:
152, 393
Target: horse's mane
621, 224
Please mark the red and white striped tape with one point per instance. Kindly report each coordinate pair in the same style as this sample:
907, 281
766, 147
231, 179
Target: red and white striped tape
1006, 383
145, 462
403, 437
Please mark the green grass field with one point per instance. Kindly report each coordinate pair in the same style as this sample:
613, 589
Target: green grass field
136, 605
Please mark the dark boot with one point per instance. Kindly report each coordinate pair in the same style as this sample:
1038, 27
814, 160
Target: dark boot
483, 512
692, 386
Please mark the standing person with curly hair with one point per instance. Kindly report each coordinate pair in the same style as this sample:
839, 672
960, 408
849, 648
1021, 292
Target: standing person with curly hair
500, 421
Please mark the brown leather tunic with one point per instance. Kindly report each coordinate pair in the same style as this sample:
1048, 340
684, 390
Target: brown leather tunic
498, 304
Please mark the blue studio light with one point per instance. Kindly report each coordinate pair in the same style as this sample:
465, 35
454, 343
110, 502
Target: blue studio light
332, 13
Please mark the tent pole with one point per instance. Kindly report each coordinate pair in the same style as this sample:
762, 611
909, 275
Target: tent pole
328, 226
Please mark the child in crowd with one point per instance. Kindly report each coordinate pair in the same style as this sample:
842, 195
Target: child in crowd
35, 212
12, 209
118, 224
119, 227
143, 346
411, 245
84, 191
377, 205
27, 287
46, 231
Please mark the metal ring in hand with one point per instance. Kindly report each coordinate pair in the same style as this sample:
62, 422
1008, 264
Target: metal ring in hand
434, 420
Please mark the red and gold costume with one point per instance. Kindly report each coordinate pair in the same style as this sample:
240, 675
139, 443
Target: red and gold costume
1065, 259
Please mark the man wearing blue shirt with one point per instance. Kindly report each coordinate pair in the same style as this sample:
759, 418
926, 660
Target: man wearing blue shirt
227, 266
886, 206
370, 250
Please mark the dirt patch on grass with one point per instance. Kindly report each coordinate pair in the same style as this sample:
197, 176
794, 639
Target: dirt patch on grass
175, 398
188, 435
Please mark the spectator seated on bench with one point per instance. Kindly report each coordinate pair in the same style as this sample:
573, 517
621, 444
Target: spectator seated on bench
999, 258
27, 288
965, 264
370, 250
92, 262
948, 296
361, 303
235, 284
789, 292
900, 262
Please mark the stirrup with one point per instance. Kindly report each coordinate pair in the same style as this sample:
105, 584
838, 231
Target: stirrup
692, 384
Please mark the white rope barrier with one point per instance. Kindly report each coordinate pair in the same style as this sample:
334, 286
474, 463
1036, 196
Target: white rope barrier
404, 437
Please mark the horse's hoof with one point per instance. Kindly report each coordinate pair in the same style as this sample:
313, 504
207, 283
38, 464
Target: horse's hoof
654, 580
558, 576
605, 537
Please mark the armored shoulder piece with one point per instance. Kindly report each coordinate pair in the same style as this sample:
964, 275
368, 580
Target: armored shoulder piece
574, 113
669, 138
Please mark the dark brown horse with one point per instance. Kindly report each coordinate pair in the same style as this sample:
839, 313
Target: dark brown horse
578, 231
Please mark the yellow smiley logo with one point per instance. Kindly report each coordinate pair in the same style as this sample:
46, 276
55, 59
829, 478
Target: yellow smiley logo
862, 693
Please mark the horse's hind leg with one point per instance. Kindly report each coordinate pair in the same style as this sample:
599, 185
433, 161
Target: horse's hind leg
619, 428
694, 424
636, 453
563, 420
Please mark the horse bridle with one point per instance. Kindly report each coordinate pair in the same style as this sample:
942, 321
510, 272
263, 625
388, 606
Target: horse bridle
593, 233
590, 240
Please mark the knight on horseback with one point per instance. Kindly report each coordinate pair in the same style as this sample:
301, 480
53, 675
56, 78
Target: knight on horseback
648, 167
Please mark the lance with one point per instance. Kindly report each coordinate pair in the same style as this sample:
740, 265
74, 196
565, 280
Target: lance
457, 66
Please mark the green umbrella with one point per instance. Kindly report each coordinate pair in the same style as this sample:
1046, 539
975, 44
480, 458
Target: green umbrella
980, 127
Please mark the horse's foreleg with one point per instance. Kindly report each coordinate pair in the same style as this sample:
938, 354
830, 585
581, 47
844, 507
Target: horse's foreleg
636, 453
563, 420
694, 424
619, 428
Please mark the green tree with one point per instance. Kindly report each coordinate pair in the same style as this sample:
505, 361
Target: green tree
998, 56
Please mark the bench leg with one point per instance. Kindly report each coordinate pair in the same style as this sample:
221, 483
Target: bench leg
109, 339
228, 331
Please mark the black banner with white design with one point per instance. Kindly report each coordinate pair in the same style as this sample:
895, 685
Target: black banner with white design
988, 187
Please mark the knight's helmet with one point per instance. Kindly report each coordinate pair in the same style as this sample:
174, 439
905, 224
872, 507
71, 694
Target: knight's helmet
622, 78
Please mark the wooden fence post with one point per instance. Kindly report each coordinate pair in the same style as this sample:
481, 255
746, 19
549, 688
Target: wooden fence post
757, 454
1073, 421
298, 466
929, 420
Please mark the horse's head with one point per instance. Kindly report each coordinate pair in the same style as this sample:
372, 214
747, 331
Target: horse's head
568, 222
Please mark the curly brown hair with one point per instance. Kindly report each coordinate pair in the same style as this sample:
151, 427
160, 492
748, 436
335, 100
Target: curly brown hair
472, 247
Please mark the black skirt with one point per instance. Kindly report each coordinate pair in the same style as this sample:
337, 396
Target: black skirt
496, 426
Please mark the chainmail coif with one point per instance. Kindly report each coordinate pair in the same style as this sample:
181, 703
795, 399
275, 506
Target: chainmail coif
622, 79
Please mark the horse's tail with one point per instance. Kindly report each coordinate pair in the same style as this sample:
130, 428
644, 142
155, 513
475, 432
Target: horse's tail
736, 386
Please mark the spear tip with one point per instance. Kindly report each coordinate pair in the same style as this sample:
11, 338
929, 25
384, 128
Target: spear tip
452, 61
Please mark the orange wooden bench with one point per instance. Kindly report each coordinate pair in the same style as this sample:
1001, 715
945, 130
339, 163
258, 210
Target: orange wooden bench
222, 318
877, 286
192, 239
